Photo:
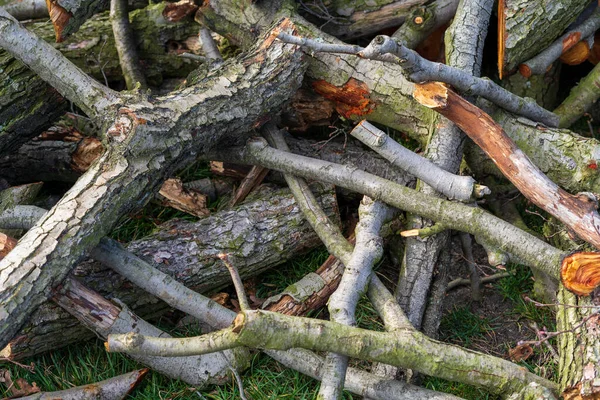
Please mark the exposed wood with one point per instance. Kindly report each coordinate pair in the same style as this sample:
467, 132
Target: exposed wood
573, 47
106, 318
266, 230
527, 27
579, 273
174, 194
577, 212
250, 181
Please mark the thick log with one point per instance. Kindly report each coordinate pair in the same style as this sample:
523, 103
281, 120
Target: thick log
28, 105
359, 88
148, 142
526, 28
259, 234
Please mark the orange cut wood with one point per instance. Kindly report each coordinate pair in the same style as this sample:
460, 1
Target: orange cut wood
580, 272
350, 100
576, 54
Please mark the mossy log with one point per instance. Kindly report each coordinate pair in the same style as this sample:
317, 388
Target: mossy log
265, 231
28, 104
527, 27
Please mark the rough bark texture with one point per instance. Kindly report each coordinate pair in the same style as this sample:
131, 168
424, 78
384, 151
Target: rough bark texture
579, 351
28, 104
105, 318
159, 137
527, 27
263, 232
359, 88
423, 256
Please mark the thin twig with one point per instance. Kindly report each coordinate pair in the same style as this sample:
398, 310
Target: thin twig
237, 282
549, 335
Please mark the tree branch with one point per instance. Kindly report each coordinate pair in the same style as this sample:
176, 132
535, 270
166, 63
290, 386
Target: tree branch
94, 98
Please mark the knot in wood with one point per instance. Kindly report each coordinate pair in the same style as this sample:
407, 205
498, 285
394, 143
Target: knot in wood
121, 129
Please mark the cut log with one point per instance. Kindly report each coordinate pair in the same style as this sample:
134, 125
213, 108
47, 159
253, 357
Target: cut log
526, 28
30, 105
261, 233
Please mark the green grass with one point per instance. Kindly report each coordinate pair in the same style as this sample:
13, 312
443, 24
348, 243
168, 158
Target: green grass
457, 389
520, 283
462, 326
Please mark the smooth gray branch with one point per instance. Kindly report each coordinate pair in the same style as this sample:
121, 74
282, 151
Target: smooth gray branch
455, 187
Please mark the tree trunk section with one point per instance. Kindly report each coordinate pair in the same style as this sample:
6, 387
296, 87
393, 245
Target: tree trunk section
28, 104
527, 27
261, 233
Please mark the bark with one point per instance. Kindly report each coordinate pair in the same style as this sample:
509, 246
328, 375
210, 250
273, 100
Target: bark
526, 28
125, 44
406, 348
577, 212
533, 251
348, 19
423, 256
116, 388
342, 303
454, 187
359, 88
423, 20
581, 99
158, 137
265, 232
30, 9
542, 88
578, 349
541, 62
105, 318
29, 105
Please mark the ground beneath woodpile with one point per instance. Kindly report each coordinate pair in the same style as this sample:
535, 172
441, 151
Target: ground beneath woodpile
495, 324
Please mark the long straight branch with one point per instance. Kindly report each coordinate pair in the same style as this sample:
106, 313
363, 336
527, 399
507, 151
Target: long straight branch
530, 249
88, 94
125, 44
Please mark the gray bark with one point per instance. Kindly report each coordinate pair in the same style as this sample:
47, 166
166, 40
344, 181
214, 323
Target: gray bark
148, 141
464, 50
259, 234
28, 104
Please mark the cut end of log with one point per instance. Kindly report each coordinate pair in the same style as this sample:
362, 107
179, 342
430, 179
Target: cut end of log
576, 54
431, 94
59, 17
580, 272
501, 37
410, 233
238, 322
525, 70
